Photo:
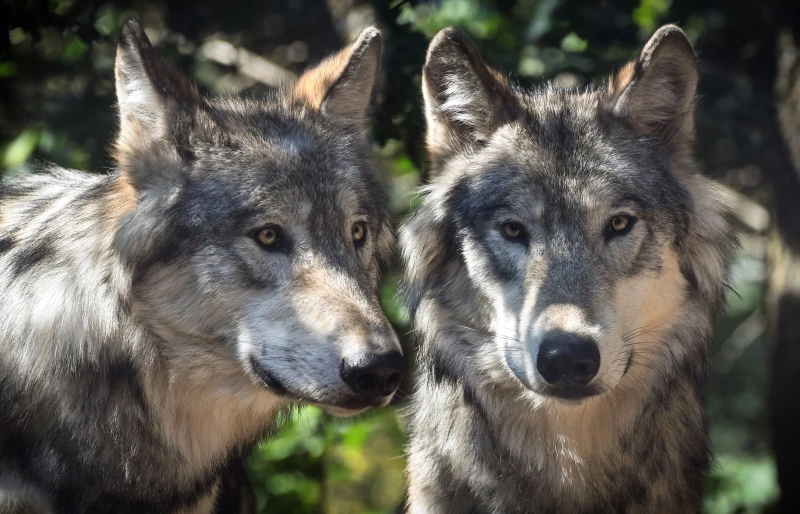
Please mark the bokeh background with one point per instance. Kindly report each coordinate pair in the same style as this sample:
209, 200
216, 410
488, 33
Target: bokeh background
56, 84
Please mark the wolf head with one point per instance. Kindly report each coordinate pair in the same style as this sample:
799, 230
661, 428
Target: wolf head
256, 229
578, 216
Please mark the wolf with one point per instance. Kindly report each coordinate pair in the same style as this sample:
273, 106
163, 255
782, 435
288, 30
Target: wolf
564, 269
155, 321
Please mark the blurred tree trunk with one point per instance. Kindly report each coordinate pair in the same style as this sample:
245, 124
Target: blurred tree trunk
783, 298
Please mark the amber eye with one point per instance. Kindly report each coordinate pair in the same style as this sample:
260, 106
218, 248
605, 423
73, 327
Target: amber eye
267, 236
511, 229
359, 231
620, 224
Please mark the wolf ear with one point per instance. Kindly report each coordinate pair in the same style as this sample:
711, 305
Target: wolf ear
341, 85
656, 93
465, 100
154, 99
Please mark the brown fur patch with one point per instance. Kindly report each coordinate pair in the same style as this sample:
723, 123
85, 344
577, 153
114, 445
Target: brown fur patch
652, 301
312, 87
341, 85
330, 302
127, 143
622, 78
186, 393
122, 199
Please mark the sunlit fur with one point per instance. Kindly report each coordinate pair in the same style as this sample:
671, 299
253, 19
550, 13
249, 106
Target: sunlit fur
143, 329
486, 433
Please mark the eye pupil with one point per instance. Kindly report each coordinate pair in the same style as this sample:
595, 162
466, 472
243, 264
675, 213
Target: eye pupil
267, 236
512, 230
621, 224
358, 231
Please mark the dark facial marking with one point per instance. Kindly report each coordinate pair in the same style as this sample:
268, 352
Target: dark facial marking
475, 200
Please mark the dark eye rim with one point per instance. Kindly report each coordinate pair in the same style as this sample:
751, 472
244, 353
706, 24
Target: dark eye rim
611, 233
358, 243
281, 244
522, 238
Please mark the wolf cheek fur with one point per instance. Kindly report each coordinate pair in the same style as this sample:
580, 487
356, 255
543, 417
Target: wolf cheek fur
154, 321
564, 270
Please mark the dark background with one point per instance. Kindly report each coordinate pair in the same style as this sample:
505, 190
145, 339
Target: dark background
57, 90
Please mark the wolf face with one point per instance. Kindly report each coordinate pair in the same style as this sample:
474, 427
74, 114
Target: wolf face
570, 212
256, 229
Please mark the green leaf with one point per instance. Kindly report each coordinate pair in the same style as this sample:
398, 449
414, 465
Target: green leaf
650, 13
573, 43
8, 69
741, 484
20, 149
74, 49
391, 302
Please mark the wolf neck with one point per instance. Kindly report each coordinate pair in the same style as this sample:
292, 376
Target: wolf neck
208, 418
568, 437
205, 409
581, 446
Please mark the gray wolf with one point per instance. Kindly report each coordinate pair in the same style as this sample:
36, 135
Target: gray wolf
564, 270
155, 321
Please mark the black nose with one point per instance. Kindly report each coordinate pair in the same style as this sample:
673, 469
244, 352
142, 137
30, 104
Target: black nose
374, 375
567, 359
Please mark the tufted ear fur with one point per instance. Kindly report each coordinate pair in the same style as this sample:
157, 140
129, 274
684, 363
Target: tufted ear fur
156, 106
656, 93
341, 85
465, 100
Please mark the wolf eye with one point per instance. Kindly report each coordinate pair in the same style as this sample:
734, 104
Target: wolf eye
359, 231
620, 225
268, 236
512, 230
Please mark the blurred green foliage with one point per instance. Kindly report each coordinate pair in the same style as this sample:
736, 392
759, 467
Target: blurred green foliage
317, 463
56, 84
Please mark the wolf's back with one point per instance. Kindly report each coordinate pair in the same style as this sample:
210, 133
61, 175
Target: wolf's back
64, 299
56, 257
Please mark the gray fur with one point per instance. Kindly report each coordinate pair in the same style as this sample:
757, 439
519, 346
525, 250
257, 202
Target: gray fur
146, 339
487, 433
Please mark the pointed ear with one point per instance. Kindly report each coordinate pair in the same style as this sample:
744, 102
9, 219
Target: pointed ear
656, 93
341, 85
154, 98
465, 100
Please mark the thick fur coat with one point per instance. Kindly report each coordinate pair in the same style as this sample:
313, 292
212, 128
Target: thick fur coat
154, 321
555, 220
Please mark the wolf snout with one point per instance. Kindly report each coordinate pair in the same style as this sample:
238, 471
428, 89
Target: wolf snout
374, 375
567, 359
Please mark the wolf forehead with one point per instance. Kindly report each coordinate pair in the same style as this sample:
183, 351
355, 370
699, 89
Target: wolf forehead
563, 150
258, 154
